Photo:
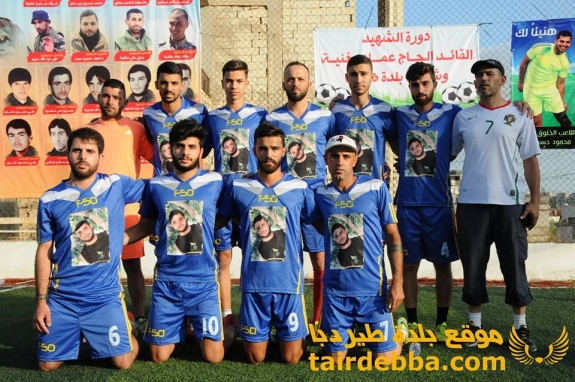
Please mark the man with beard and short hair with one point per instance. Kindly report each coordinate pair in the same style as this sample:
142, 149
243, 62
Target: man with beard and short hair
89, 38
96, 247
303, 163
544, 83
75, 301
303, 121
95, 78
187, 92
19, 80
189, 238
60, 83
236, 157
185, 287
135, 38
127, 142
363, 113
161, 116
19, 135
424, 161
266, 298
59, 130
271, 243
139, 77
179, 22
350, 250
364, 157
47, 40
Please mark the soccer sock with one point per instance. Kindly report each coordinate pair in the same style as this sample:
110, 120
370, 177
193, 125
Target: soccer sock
441, 315
411, 314
226, 312
475, 318
317, 295
518, 320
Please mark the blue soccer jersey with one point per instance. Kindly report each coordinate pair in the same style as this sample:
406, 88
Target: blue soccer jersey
369, 127
270, 220
424, 155
159, 124
87, 228
306, 138
185, 214
353, 231
231, 135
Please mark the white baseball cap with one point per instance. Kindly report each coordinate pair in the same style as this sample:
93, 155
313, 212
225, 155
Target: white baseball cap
341, 141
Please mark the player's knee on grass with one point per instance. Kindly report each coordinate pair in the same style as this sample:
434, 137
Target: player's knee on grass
256, 352
212, 351
123, 361
161, 354
49, 366
291, 352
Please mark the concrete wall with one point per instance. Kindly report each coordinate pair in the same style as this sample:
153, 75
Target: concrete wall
547, 261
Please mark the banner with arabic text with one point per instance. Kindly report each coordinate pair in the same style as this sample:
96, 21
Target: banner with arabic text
543, 74
452, 49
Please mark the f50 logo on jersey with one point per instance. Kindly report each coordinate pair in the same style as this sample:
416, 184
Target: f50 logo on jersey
358, 120
168, 125
189, 192
86, 201
267, 198
49, 348
421, 123
302, 126
344, 204
235, 122
249, 329
157, 332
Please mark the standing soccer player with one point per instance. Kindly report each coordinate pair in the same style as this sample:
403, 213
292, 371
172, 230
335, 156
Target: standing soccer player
185, 284
423, 197
307, 128
161, 116
234, 122
491, 205
357, 211
127, 142
75, 298
365, 119
272, 286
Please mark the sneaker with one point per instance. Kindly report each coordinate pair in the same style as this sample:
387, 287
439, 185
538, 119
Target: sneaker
523, 333
141, 325
471, 326
132, 320
231, 321
440, 332
412, 347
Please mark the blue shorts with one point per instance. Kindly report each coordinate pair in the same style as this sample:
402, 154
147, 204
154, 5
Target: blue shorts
427, 233
227, 237
172, 301
103, 322
259, 311
343, 313
312, 240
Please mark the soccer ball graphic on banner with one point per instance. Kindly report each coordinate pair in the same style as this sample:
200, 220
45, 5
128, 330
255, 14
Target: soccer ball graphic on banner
342, 93
325, 93
466, 92
449, 95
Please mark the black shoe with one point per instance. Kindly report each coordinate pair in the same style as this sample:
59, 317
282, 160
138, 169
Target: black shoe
471, 326
523, 333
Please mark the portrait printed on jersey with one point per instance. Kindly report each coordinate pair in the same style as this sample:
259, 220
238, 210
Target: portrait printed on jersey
90, 238
234, 146
184, 228
346, 240
267, 233
364, 142
420, 157
301, 158
165, 153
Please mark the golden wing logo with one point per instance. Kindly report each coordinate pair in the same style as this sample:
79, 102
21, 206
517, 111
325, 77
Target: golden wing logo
557, 350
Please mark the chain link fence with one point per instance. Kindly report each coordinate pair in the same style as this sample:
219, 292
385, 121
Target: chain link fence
268, 34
